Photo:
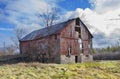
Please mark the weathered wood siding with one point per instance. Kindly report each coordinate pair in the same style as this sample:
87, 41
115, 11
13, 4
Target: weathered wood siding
55, 44
69, 37
86, 40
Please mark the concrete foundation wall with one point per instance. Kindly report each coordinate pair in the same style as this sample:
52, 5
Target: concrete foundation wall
65, 59
85, 58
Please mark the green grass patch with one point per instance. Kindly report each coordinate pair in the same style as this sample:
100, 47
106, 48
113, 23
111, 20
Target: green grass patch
88, 70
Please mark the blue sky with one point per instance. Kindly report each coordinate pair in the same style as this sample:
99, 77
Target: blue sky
7, 28
99, 15
72, 5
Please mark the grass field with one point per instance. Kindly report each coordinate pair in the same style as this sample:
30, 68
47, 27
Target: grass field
89, 70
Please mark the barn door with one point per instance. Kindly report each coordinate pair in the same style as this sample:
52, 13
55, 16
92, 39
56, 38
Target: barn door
76, 59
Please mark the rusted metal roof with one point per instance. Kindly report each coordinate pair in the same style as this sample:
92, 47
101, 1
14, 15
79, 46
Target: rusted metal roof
44, 32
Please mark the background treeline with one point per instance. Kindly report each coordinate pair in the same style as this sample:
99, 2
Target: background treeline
108, 53
8, 50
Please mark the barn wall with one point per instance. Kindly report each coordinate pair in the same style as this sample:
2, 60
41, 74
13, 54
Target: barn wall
69, 37
86, 40
55, 44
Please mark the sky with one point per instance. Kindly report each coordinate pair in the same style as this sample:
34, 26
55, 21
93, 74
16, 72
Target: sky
102, 17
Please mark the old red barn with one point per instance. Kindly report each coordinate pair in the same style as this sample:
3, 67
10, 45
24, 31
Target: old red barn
69, 41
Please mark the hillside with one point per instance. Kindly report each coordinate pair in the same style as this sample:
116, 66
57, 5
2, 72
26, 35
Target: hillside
89, 70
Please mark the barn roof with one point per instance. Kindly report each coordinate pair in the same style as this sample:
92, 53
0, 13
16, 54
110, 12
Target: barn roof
41, 33
44, 31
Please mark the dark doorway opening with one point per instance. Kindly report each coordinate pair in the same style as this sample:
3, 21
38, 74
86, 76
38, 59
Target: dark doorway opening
76, 59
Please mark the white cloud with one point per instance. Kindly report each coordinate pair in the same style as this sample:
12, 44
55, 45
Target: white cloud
27, 6
102, 6
6, 29
107, 20
24, 13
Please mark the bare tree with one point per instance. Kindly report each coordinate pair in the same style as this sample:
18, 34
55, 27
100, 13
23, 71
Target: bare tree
48, 19
19, 33
10, 50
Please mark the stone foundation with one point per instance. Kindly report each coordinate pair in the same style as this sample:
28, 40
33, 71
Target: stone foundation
65, 59
85, 58
71, 59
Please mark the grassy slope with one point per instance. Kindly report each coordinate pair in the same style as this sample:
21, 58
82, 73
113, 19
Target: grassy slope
91, 70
